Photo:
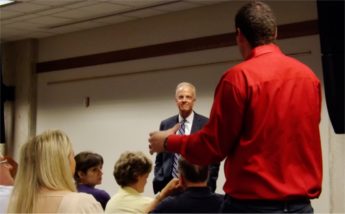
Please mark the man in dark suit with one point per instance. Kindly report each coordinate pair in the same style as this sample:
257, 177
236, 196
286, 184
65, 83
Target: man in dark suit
185, 98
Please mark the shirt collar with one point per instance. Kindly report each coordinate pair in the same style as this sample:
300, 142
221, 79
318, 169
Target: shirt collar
130, 190
263, 49
188, 119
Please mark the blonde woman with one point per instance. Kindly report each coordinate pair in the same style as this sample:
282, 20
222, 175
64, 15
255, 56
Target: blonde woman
44, 182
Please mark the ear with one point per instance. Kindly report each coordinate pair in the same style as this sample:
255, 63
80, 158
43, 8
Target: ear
239, 36
276, 34
243, 44
81, 174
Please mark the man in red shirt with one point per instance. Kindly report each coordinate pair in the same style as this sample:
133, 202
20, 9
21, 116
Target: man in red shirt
264, 121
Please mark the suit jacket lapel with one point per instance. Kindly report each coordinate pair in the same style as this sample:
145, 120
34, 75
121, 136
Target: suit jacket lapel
195, 124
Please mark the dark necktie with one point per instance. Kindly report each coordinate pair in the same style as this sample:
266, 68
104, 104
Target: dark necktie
181, 131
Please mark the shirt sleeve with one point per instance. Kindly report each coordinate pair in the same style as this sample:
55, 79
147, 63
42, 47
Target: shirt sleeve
164, 206
219, 136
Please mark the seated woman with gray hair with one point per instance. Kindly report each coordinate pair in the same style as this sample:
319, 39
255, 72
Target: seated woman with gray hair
131, 171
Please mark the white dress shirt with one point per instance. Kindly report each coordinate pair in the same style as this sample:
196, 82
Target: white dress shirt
188, 124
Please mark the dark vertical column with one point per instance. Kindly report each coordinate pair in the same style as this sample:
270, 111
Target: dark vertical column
6, 94
2, 99
331, 29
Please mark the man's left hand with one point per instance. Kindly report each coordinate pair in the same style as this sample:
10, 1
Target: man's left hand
157, 138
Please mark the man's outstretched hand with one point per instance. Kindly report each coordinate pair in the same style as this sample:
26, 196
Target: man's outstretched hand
156, 139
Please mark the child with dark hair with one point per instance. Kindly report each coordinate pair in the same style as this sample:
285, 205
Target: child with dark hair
88, 174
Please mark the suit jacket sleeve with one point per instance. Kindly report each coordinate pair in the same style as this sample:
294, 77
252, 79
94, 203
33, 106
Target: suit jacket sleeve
163, 162
158, 169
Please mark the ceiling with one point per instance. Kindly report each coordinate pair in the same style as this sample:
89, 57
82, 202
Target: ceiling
43, 18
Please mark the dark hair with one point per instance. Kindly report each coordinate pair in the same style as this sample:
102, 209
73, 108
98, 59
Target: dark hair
129, 166
192, 172
86, 160
257, 23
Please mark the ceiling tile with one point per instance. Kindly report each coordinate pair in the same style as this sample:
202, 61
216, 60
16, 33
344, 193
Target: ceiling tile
48, 20
115, 19
138, 3
52, 11
7, 14
88, 25
55, 2
84, 3
103, 9
21, 17
72, 14
76, 27
207, 2
145, 13
25, 7
25, 25
39, 34
42, 18
177, 6
65, 29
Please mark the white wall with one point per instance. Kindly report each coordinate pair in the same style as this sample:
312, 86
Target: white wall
125, 107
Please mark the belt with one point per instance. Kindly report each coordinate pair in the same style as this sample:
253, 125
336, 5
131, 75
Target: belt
283, 203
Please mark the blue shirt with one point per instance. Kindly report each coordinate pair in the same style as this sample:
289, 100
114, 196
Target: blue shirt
100, 195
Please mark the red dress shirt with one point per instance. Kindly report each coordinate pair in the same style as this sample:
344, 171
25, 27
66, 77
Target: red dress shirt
265, 122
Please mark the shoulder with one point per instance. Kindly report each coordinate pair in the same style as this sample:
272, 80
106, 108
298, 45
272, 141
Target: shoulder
80, 202
80, 196
167, 205
169, 122
302, 70
4, 190
200, 117
217, 197
170, 119
101, 192
129, 203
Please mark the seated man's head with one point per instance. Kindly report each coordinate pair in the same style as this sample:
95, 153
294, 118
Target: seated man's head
8, 170
88, 168
132, 170
192, 174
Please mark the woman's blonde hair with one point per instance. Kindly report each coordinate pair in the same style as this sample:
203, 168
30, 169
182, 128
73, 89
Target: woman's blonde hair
44, 163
